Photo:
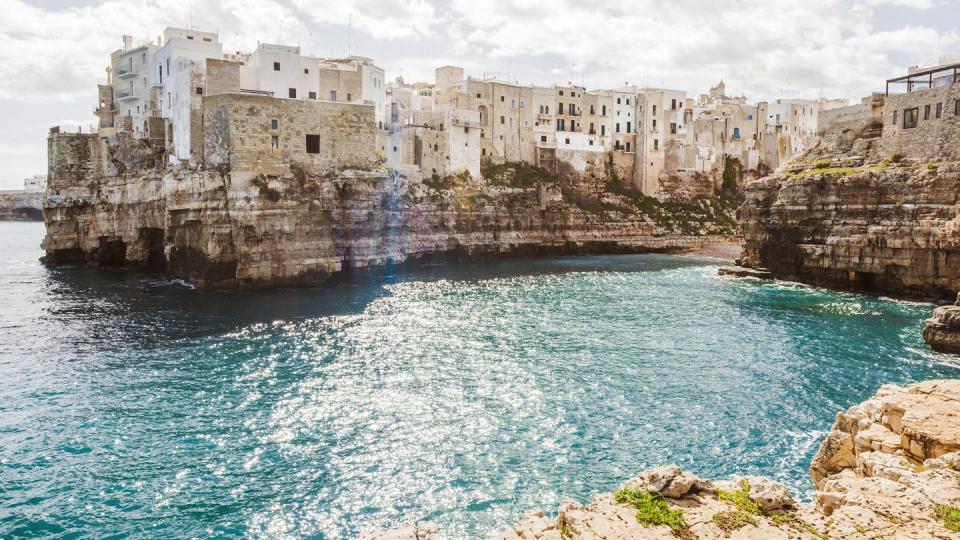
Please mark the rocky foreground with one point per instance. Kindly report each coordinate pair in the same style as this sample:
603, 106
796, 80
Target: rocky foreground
888, 469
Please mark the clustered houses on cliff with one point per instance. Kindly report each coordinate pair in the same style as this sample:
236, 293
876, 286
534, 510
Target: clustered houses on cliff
657, 141
274, 166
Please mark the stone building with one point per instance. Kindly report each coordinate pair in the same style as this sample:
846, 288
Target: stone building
923, 122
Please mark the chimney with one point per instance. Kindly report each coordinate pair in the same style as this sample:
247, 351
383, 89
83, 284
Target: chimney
127, 42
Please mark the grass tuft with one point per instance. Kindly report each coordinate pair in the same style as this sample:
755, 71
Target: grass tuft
732, 520
652, 509
741, 498
950, 515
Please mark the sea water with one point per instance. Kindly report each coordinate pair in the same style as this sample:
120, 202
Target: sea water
133, 405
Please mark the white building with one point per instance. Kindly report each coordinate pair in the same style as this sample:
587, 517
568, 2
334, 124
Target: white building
37, 182
135, 97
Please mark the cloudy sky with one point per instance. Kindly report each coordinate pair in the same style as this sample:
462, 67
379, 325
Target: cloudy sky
55, 51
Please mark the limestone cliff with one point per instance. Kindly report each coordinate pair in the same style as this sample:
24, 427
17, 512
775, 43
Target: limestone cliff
888, 469
215, 228
21, 206
884, 227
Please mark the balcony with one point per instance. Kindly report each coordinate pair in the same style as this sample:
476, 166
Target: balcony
125, 73
127, 96
544, 116
465, 123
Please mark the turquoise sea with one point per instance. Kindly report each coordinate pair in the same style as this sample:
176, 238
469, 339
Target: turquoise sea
132, 406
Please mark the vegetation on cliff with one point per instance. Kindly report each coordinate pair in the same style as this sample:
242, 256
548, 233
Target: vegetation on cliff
652, 509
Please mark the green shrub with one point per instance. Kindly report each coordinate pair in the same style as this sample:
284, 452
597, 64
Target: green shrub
652, 509
741, 498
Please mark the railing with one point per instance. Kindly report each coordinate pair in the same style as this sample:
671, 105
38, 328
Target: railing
465, 123
124, 71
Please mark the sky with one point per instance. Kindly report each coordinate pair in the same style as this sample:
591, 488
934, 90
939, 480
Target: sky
53, 52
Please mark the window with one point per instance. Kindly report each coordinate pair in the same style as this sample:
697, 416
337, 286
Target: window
656, 144
313, 144
603, 130
333, 95
503, 120
436, 147
306, 71
956, 107
168, 67
939, 110
276, 66
591, 110
926, 112
673, 128
894, 117
513, 103
543, 138
736, 133
501, 99
628, 146
207, 39
168, 100
603, 110
561, 92
478, 95
560, 108
673, 104
910, 117
275, 142
654, 126
199, 91
189, 37
616, 129
566, 141
618, 101
573, 126
160, 69
749, 117
293, 92
654, 110
274, 124
572, 109
349, 97
560, 124
312, 95
628, 127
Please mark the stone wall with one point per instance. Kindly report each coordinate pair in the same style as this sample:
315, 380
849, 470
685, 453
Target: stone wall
933, 139
223, 77
238, 134
72, 157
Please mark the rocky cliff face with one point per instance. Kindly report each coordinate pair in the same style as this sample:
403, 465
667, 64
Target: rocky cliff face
21, 206
885, 227
210, 228
888, 469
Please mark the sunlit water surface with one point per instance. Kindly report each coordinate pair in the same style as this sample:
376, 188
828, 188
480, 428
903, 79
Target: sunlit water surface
132, 406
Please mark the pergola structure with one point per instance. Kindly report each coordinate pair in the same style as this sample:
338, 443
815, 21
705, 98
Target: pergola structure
926, 78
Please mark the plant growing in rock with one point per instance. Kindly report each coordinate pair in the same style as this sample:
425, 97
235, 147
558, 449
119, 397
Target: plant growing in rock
732, 520
741, 499
653, 510
950, 515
